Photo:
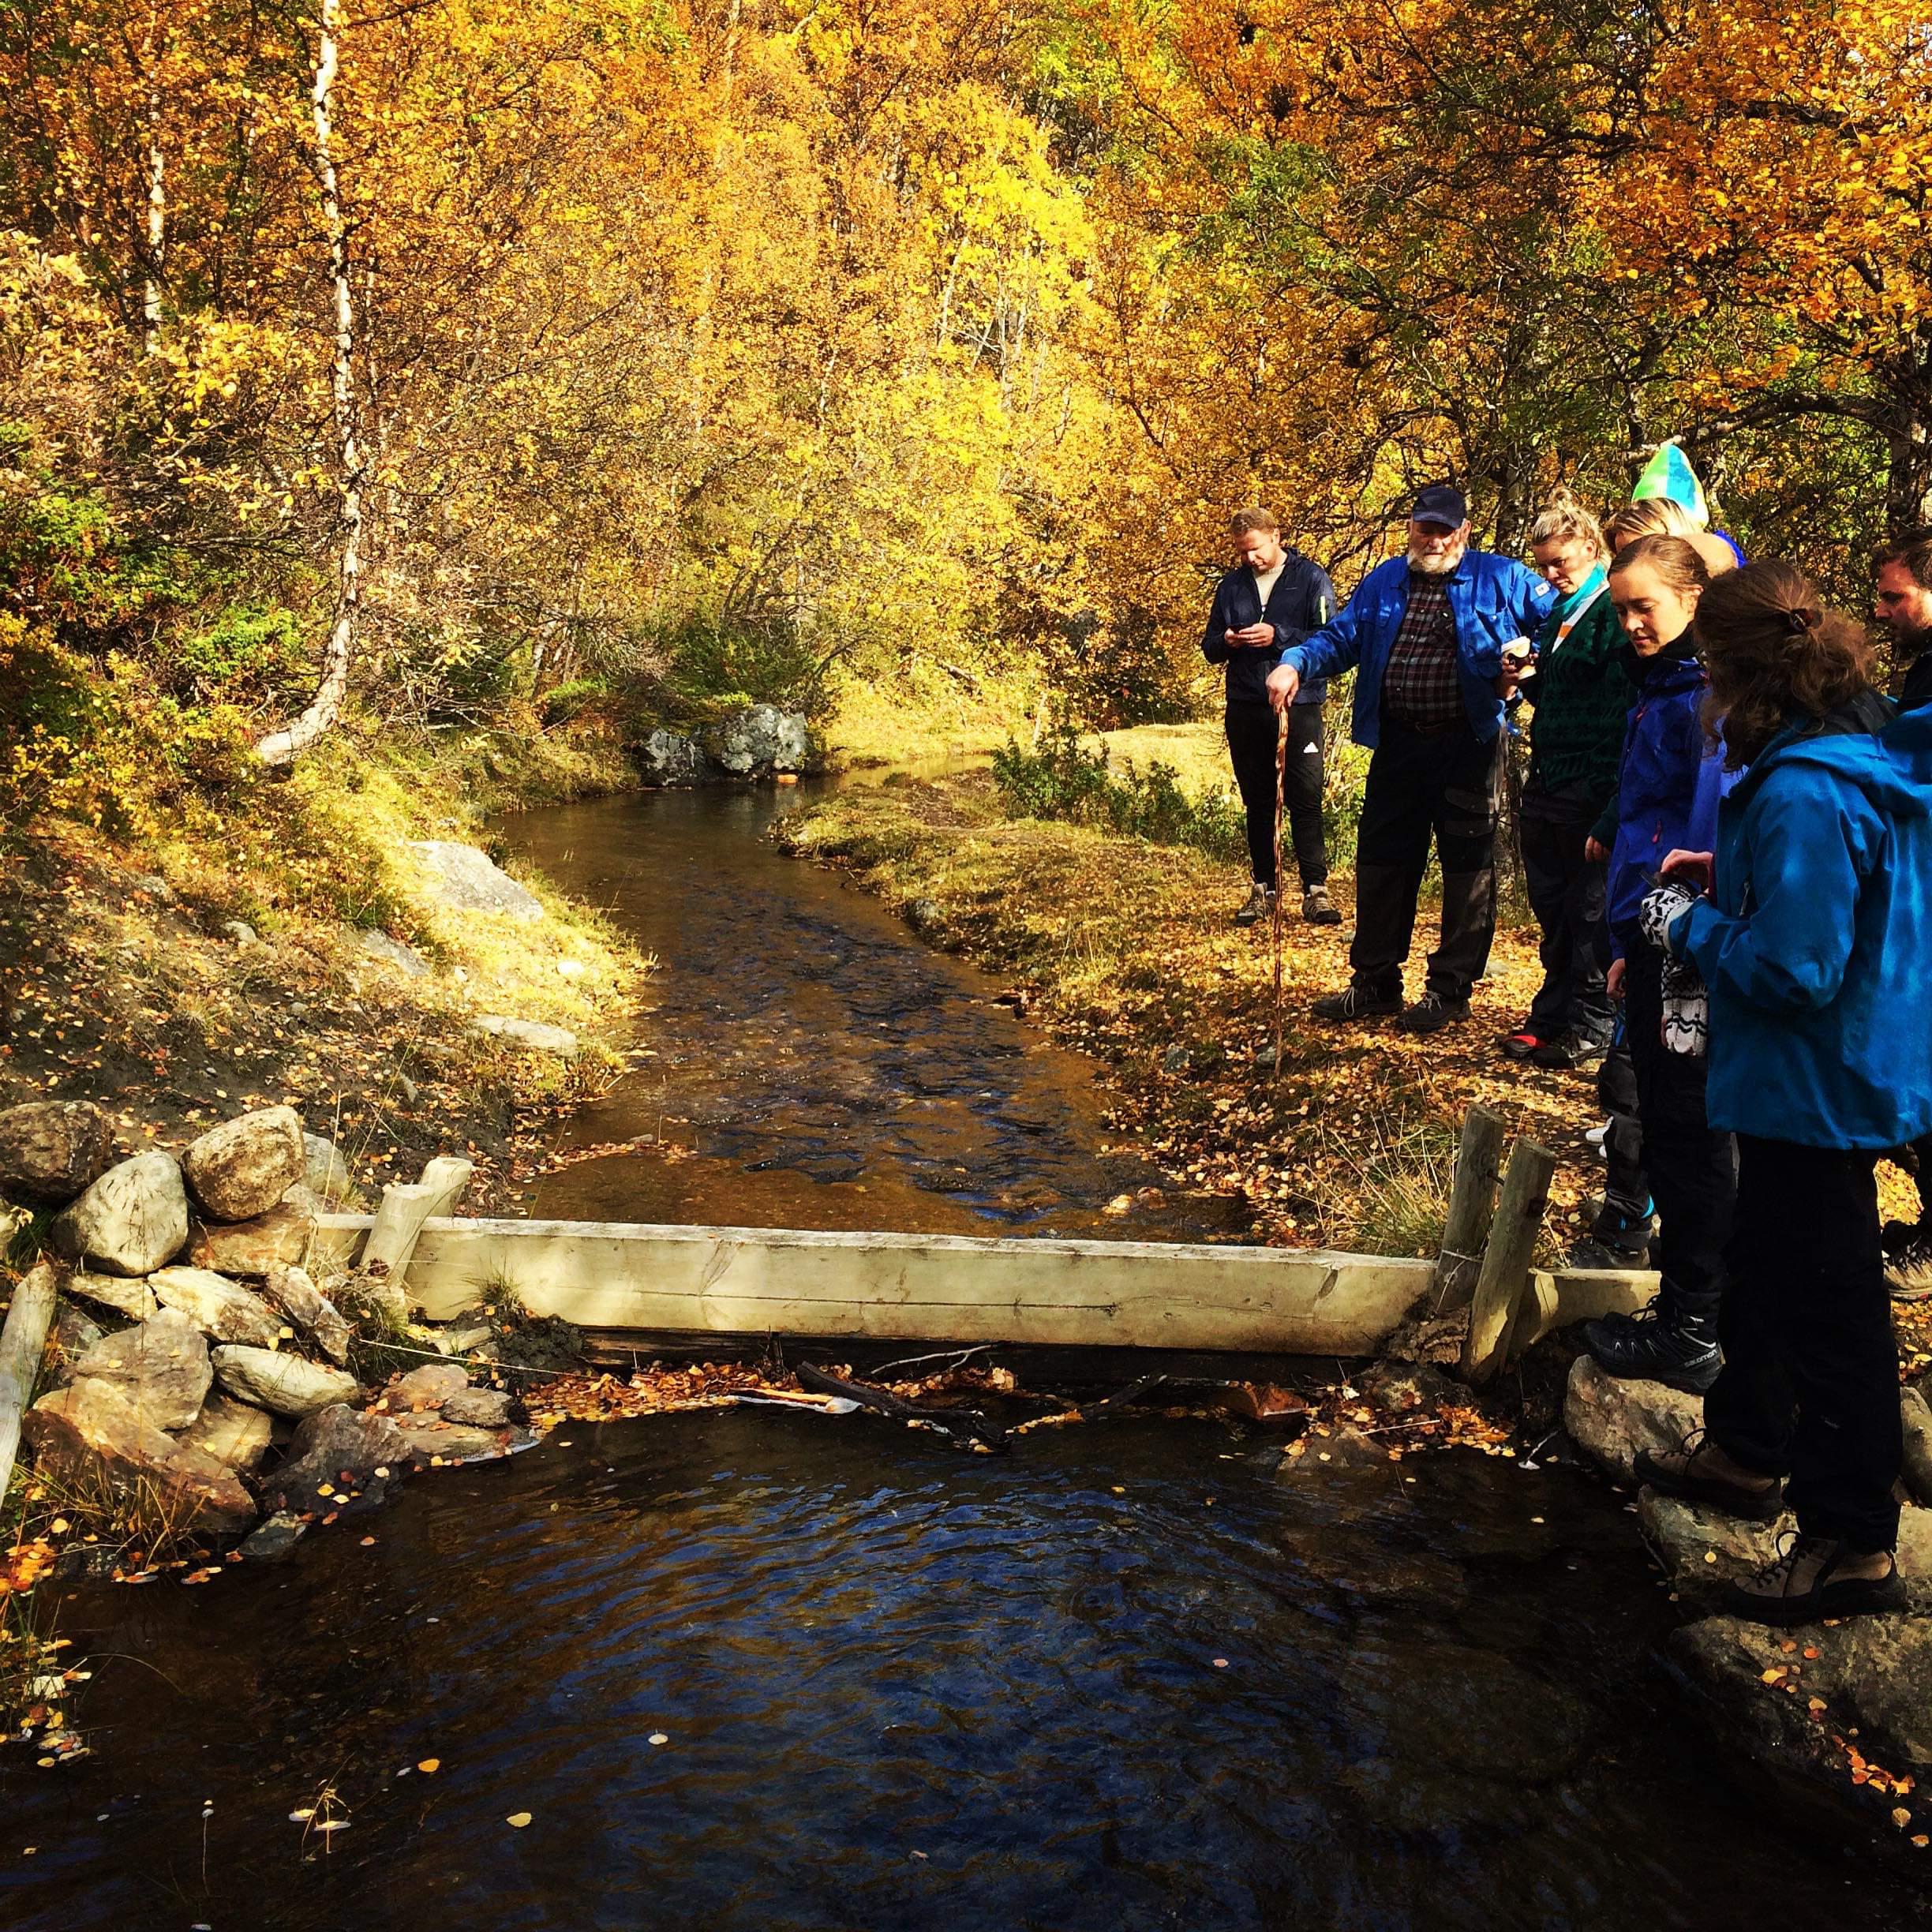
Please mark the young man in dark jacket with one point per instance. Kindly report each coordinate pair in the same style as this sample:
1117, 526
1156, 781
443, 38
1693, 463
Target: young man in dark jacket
1425, 631
1903, 597
1274, 597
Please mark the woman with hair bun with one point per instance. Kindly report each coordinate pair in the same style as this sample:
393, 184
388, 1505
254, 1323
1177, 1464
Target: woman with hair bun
1814, 942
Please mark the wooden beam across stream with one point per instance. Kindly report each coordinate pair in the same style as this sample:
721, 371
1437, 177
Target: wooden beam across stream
649, 1280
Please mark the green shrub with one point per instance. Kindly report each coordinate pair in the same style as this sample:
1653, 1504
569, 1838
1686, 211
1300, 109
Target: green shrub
248, 655
1064, 779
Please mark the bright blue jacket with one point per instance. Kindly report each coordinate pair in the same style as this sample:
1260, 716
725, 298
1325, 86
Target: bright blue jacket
1816, 943
1668, 783
1492, 601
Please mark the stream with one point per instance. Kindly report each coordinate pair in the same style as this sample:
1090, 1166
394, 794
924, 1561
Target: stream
758, 1671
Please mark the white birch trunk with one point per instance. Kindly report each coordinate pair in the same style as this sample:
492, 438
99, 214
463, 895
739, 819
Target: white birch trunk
157, 217
283, 748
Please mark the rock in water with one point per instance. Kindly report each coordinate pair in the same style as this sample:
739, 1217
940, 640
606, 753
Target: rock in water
160, 1365
90, 1430
430, 1387
50, 1151
449, 1442
467, 880
532, 1035
217, 1306
478, 1408
669, 758
283, 1384
325, 1173
242, 1168
279, 1238
277, 1535
1610, 1419
337, 1449
131, 1221
234, 1434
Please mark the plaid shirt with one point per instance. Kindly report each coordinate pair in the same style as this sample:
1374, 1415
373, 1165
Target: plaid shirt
1419, 686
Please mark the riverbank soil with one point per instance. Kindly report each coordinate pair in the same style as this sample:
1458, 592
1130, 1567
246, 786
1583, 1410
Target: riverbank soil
294, 944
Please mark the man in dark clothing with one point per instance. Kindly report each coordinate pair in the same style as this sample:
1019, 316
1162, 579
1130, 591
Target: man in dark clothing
1425, 632
1903, 597
1273, 597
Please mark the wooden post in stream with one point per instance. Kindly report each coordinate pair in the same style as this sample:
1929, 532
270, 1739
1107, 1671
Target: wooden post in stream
1506, 1261
400, 1216
21, 1342
1472, 1201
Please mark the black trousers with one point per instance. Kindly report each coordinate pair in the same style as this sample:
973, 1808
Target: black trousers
1692, 1167
1418, 788
1566, 896
1626, 1187
1809, 1384
1251, 730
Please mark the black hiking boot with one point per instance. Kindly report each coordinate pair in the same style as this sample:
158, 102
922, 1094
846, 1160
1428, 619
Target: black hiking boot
1261, 904
1698, 1470
1433, 1012
1317, 908
1568, 1050
1804, 1583
1616, 1239
1908, 1260
1354, 1002
1656, 1345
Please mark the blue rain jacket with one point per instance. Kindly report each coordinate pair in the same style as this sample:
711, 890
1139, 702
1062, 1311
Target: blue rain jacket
1492, 601
1816, 943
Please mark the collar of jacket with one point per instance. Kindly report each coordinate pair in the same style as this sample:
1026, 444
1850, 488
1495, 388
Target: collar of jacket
1675, 664
1583, 593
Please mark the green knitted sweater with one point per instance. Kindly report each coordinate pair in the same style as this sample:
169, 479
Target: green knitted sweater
1582, 696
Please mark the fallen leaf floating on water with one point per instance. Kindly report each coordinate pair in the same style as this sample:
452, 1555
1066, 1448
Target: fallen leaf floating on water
657, 1737
302, 1814
430, 1764
517, 1820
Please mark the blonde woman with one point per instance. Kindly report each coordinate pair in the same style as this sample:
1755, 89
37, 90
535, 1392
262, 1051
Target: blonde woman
1663, 516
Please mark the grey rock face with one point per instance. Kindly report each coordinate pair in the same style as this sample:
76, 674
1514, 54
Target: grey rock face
132, 1221
279, 1238
217, 1306
325, 1173
1610, 1419
406, 959
160, 1366
468, 880
430, 1387
759, 741
235, 1434
669, 758
337, 1450
532, 1035
283, 1384
242, 1168
291, 1290
478, 1408
50, 1151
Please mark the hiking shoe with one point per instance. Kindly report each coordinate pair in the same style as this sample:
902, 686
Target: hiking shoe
1317, 908
1520, 1044
1689, 1471
1568, 1050
1652, 1346
1908, 1260
1354, 1003
1433, 1012
1628, 1235
1801, 1585
1261, 904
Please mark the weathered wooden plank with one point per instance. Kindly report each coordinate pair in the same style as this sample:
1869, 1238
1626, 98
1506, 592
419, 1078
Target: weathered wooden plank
22, 1342
941, 1288
1472, 1203
1506, 1261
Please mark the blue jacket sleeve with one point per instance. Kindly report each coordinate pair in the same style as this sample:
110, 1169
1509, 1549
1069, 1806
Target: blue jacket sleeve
1214, 645
1712, 782
1333, 648
1807, 856
1534, 601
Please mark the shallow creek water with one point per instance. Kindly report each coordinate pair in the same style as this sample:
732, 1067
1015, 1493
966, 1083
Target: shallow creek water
759, 1671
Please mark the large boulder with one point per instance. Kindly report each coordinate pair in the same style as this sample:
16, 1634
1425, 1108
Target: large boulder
283, 1384
242, 1168
291, 1290
325, 1173
1610, 1419
430, 1387
160, 1365
432, 1439
759, 741
669, 758
1702, 1549
279, 1238
467, 880
50, 1151
131, 1221
236, 1434
217, 1306
337, 1450
123, 1295
89, 1431
406, 959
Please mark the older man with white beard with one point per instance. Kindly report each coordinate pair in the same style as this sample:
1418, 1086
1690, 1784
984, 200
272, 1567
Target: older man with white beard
1425, 633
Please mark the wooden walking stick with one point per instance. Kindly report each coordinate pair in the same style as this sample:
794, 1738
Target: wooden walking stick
1281, 783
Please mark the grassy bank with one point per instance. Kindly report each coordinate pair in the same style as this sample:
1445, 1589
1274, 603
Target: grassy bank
182, 957
1126, 950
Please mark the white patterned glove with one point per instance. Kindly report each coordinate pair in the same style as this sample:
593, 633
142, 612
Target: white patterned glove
1662, 906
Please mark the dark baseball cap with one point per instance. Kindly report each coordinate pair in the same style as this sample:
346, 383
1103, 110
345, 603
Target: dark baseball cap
1441, 503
